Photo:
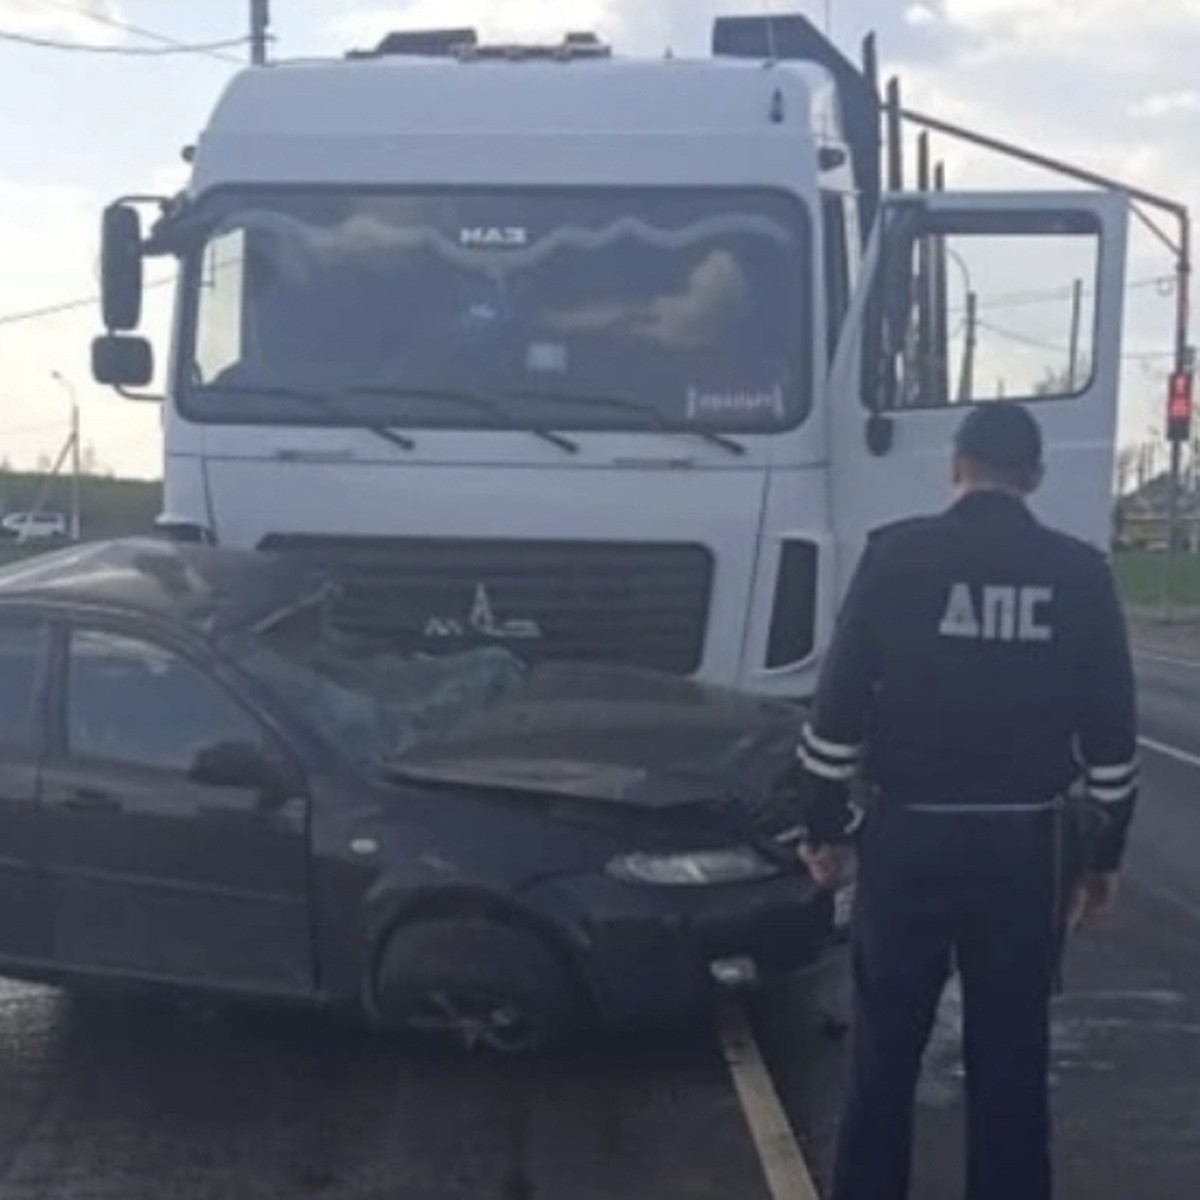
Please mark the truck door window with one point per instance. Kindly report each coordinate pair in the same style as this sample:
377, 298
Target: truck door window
973, 315
220, 334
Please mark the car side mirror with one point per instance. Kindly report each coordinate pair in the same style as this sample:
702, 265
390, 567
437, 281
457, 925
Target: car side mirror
121, 267
240, 765
122, 362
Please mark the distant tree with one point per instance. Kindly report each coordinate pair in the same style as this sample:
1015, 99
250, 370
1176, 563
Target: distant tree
89, 460
1127, 469
1057, 380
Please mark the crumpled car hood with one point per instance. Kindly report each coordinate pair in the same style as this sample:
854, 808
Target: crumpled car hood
614, 734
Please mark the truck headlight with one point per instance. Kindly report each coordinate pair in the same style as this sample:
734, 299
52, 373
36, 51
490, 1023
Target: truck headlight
700, 868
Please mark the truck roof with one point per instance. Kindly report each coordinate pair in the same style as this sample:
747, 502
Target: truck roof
272, 123
431, 95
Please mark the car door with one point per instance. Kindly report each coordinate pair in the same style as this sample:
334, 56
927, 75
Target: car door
151, 872
24, 925
969, 298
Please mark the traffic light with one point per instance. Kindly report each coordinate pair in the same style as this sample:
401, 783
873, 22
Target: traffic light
1179, 407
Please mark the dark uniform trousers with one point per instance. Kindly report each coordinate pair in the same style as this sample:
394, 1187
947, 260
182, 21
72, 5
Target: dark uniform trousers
976, 892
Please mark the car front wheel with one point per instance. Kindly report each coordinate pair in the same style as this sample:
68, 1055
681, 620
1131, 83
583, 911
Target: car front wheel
480, 982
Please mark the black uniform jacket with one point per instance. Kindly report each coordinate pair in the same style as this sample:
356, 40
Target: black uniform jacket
981, 661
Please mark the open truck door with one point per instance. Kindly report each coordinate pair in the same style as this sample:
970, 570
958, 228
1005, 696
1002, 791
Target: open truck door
968, 298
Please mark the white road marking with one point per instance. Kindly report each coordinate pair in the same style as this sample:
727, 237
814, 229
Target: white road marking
1173, 659
1183, 756
787, 1173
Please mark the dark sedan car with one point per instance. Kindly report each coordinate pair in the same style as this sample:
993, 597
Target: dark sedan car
203, 785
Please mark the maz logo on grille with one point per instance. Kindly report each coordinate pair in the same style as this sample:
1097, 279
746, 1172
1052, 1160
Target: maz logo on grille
482, 620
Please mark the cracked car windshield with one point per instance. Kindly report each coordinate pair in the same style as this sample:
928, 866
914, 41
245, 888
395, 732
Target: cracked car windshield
690, 305
373, 704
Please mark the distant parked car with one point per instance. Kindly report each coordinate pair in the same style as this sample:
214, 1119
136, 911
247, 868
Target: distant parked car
35, 526
203, 785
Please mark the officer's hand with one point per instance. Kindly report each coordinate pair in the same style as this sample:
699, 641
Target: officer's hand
1095, 896
826, 864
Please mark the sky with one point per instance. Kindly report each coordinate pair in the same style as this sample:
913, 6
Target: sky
1109, 84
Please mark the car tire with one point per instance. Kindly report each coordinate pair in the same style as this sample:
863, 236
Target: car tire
481, 982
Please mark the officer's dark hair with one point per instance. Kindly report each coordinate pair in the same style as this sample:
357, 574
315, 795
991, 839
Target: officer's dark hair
1001, 444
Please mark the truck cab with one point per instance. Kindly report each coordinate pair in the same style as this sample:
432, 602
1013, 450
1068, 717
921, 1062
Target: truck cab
599, 358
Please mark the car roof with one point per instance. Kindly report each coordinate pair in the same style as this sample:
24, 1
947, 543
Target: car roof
209, 590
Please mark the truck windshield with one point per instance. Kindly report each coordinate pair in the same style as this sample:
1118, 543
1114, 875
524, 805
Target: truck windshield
693, 304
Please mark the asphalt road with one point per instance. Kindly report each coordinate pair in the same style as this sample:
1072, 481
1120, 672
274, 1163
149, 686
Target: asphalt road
112, 1100
1126, 1073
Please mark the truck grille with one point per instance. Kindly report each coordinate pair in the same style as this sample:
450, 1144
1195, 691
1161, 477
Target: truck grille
636, 604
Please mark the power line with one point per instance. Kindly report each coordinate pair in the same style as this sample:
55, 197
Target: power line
137, 30
45, 43
1025, 339
1025, 299
53, 310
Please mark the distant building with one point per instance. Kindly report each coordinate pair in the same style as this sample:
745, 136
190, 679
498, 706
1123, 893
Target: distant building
1141, 517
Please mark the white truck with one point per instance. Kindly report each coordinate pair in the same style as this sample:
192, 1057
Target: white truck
598, 358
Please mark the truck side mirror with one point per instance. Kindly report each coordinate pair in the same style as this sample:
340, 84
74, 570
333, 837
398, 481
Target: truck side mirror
121, 260
122, 362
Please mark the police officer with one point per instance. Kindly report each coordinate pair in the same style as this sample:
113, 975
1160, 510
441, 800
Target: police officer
980, 666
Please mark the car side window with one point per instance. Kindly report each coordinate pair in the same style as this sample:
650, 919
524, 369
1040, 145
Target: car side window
131, 701
23, 647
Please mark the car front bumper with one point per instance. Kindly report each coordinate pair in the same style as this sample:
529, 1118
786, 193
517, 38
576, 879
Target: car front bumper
650, 953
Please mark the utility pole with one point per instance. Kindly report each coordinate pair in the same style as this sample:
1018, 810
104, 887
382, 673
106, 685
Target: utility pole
76, 522
74, 447
260, 23
1076, 314
966, 381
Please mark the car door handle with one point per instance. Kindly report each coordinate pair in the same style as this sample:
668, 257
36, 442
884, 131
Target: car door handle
289, 814
90, 800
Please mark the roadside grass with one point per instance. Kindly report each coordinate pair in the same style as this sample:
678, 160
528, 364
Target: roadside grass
1145, 579
109, 508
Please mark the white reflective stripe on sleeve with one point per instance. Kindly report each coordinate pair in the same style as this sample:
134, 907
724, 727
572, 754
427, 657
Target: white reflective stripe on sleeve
857, 817
1117, 774
839, 751
826, 770
1112, 795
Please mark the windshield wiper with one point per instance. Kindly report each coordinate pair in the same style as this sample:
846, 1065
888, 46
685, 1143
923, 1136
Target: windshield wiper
625, 404
476, 400
318, 399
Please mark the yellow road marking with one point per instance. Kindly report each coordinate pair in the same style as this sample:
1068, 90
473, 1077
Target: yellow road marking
788, 1176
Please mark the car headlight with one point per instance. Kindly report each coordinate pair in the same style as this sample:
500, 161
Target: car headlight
700, 868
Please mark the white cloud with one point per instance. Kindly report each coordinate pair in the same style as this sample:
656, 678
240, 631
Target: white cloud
920, 14
1167, 104
74, 21
1046, 20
